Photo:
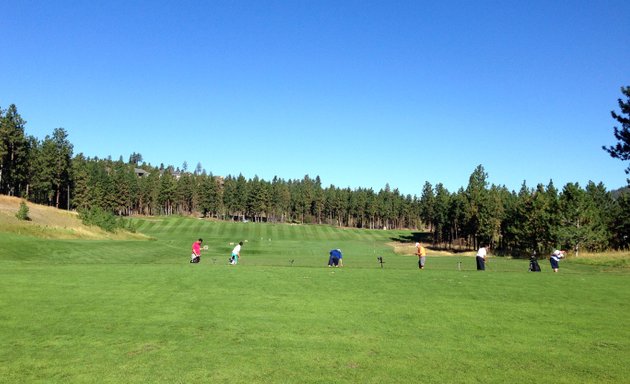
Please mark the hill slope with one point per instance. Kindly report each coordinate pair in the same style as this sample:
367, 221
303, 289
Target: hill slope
51, 223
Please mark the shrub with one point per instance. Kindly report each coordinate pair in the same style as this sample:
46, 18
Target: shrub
22, 213
106, 220
126, 224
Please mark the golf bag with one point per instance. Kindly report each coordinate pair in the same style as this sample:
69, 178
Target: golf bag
196, 259
533, 264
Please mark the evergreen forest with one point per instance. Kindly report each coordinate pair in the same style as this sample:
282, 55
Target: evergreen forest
533, 219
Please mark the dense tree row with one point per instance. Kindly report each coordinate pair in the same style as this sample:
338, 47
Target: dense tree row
532, 219
30, 167
116, 186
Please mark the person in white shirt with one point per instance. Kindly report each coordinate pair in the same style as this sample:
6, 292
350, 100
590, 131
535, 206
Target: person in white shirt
555, 258
481, 258
236, 253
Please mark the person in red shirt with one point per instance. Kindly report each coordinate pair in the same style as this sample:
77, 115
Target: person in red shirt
196, 251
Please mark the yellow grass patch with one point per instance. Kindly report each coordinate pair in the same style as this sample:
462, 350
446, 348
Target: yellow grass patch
409, 249
49, 222
602, 255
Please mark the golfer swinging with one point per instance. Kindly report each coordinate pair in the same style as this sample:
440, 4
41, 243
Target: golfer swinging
555, 259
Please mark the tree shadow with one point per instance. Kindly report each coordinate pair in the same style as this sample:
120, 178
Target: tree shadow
414, 237
426, 239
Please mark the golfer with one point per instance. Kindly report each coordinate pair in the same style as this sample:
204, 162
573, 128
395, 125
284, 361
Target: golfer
421, 252
195, 257
481, 258
236, 253
336, 258
555, 259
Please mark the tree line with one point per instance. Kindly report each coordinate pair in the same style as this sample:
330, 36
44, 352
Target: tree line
512, 222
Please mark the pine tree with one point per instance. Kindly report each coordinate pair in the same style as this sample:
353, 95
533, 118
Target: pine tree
13, 152
441, 222
427, 206
621, 150
476, 207
81, 179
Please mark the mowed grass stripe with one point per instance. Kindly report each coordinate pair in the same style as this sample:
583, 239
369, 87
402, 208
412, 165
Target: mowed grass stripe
283, 232
321, 233
260, 230
173, 246
345, 234
374, 234
309, 232
144, 225
161, 229
170, 228
275, 232
359, 234
212, 229
205, 228
236, 232
187, 225
306, 232
263, 231
249, 232
165, 225
180, 224
329, 231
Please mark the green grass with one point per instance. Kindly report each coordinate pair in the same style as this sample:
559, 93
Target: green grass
136, 311
609, 260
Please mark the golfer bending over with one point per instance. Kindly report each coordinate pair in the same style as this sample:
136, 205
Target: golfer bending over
336, 258
236, 253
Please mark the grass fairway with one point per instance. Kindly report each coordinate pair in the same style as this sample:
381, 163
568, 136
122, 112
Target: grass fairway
107, 311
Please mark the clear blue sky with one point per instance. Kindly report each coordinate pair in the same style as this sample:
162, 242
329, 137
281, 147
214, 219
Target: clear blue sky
361, 93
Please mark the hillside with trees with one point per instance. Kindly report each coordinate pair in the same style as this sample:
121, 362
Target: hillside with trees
539, 218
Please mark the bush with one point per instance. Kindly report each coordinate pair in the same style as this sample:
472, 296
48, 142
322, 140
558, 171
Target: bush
100, 218
22, 213
126, 224
106, 220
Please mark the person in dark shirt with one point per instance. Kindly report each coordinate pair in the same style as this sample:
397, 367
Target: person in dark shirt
336, 258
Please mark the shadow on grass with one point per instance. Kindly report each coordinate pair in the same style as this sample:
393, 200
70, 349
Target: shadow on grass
427, 240
422, 237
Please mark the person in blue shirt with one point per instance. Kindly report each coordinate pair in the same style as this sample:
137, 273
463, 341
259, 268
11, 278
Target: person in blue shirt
336, 258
